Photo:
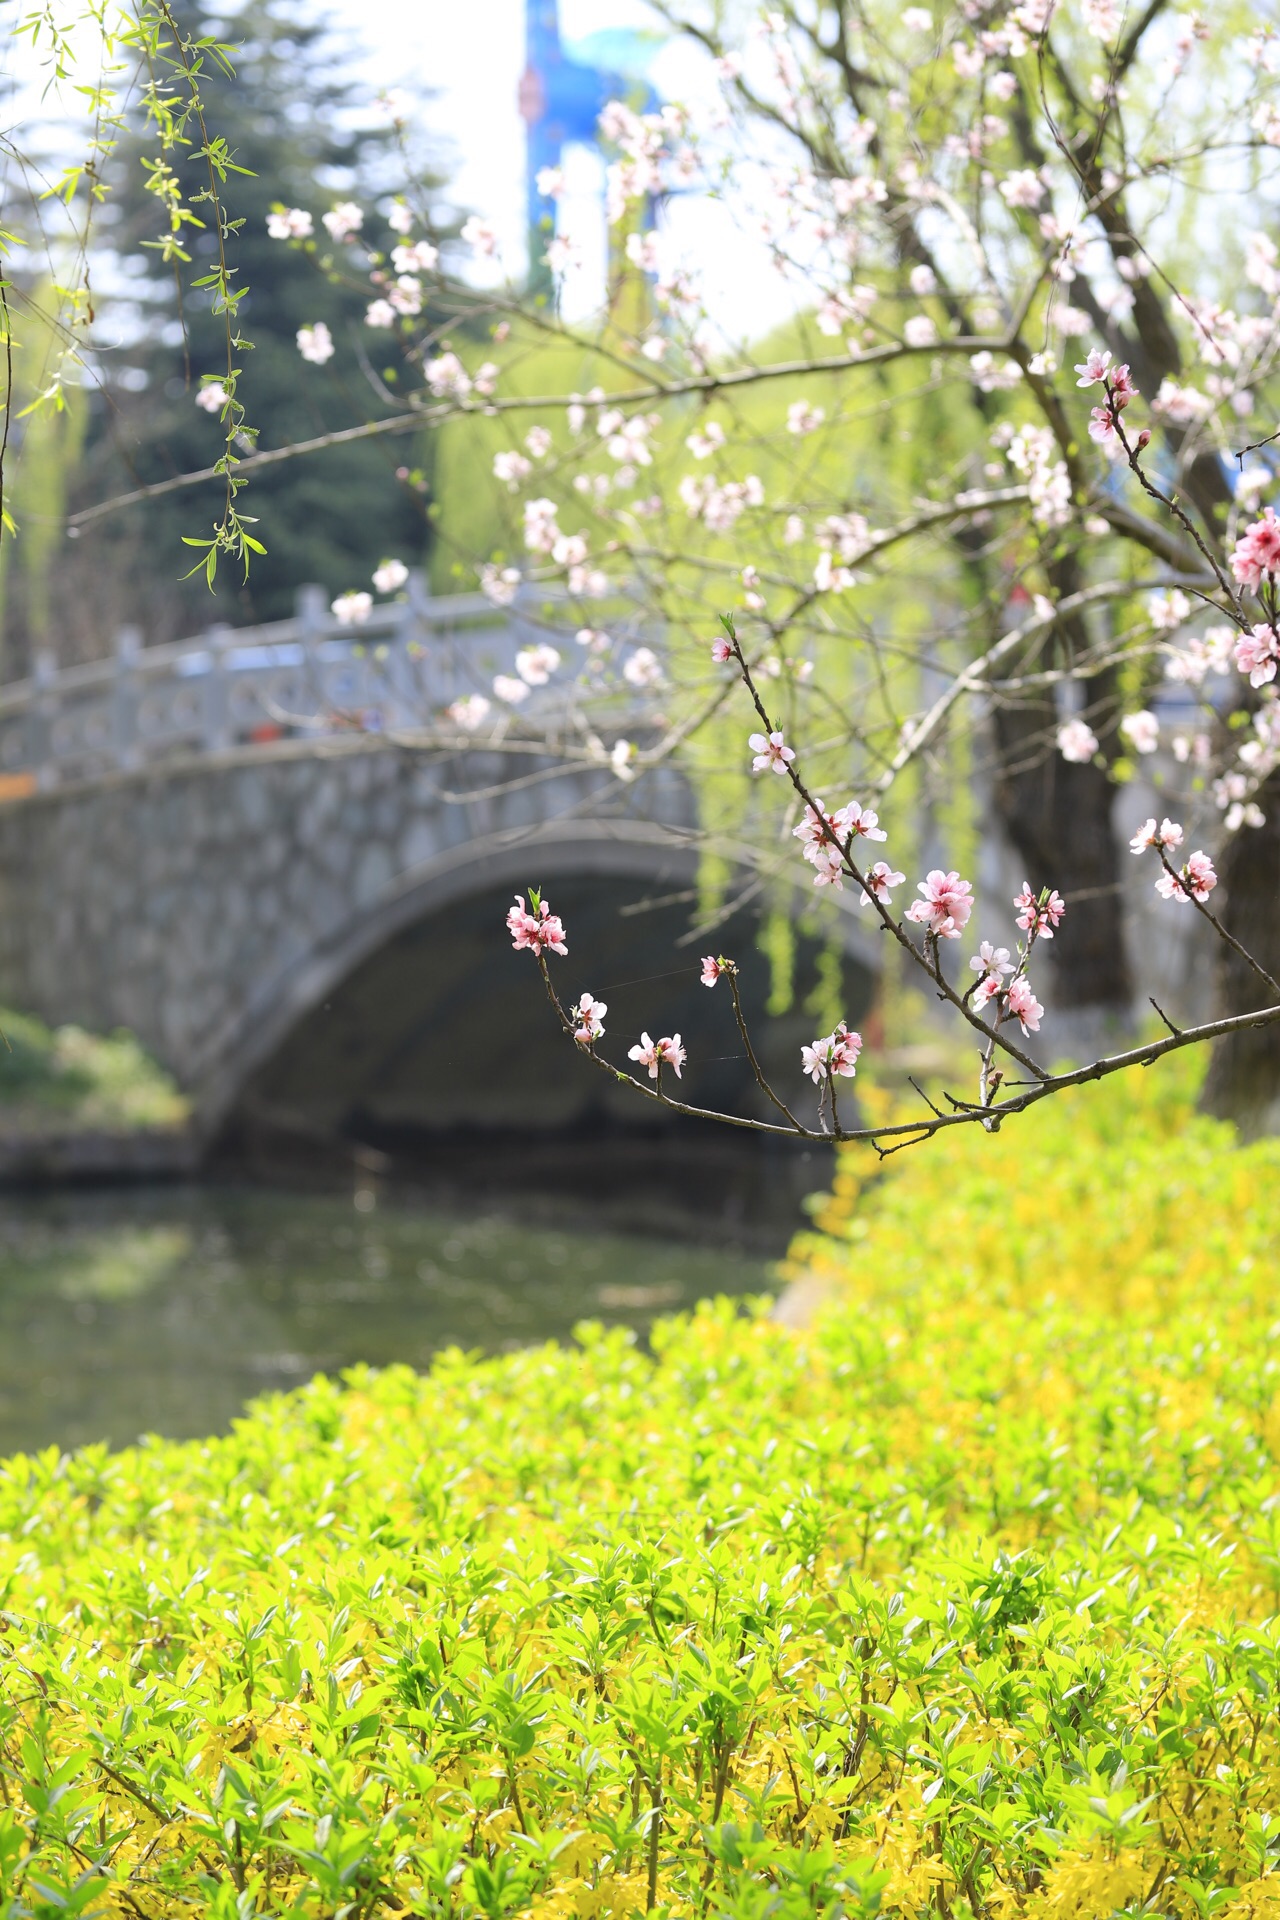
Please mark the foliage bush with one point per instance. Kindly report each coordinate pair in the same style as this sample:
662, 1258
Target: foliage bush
962, 1601
52, 1079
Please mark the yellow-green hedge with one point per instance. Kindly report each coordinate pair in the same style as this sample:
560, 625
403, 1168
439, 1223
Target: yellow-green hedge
961, 1602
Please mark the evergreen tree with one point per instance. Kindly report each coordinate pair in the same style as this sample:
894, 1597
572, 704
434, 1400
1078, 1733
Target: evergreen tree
290, 116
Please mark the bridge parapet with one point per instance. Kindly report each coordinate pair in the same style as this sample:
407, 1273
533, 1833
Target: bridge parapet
271, 854
311, 677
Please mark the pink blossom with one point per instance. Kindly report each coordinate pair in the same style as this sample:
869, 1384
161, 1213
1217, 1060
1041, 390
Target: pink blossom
946, 906
657, 1053
1141, 730
712, 967
1258, 655
480, 236
1168, 834
721, 651
343, 220
315, 343
859, 823
499, 584
536, 664
590, 1024
814, 829
992, 963
1023, 188
821, 831
469, 713
1258, 550
824, 834
390, 575
643, 669
511, 468
290, 223
419, 257
772, 753
1196, 881
352, 609
991, 959
988, 988
212, 397
445, 374
1077, 741
1039, 914
702, 444
1093, 367
538, 932
1102, 426
802, 418
837, 1053
1122, 389
879, 881
1024, 1005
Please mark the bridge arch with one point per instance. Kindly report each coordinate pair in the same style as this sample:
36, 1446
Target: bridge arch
374, 1030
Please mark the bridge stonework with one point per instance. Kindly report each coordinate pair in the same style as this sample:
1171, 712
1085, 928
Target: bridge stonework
213, 842
209, 906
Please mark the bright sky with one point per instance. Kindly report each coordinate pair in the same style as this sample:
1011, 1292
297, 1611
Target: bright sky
464, 58
471, 57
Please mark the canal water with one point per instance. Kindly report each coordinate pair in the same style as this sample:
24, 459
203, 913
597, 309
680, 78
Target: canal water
164, 1310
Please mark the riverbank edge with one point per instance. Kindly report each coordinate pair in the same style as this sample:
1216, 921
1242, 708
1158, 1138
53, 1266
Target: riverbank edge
83, 1155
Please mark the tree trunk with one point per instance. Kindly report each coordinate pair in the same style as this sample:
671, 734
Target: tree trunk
1058, 816
1243, 1083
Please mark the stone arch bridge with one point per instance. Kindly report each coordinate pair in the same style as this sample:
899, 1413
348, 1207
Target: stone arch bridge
260, 852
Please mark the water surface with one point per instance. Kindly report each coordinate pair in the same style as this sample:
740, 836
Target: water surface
164, 1310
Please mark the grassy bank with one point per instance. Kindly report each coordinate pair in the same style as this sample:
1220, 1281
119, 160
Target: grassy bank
961, 1602
62, 1080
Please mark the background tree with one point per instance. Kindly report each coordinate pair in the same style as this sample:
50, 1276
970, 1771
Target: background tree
304, 137
964, 202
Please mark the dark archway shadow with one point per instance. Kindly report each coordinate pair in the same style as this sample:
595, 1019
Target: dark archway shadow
436, 1060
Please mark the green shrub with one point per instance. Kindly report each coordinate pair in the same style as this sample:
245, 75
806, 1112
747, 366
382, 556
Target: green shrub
961, 1602
67, 1077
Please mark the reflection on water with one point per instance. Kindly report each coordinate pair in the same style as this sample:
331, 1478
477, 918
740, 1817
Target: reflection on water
164, 1310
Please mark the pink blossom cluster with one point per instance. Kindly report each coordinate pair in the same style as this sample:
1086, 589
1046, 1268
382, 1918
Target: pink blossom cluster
1258, 654
290, 223
1167, 834
823, 835
655, 1054
1039, 914
1195, 881
1257, 551
1016, 1000
945, 907
538, 932
1023, 1004
718, 507
837, 1053
1094, 369
589, 1018
1077, 742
